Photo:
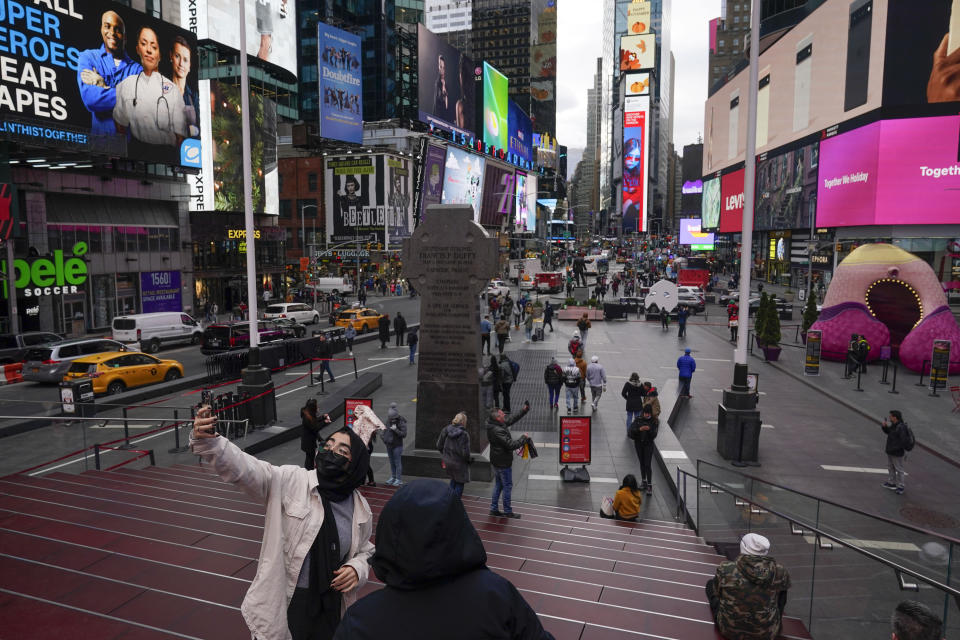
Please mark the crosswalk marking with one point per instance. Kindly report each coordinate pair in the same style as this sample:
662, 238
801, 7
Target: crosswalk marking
833, 467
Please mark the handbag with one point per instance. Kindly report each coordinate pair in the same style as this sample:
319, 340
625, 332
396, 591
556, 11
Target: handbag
606, 506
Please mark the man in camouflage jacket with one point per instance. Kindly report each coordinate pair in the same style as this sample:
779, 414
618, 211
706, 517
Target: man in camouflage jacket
747, 596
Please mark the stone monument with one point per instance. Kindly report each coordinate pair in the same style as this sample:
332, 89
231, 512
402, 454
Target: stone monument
449, 259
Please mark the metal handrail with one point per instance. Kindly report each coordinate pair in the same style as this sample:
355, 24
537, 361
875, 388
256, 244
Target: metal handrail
835, 504
819, 533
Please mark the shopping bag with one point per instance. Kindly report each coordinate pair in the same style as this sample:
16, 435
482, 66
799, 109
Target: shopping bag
606, 506
531, 449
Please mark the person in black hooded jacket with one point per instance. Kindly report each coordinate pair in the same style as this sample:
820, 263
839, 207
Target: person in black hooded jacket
634, 393
434, 566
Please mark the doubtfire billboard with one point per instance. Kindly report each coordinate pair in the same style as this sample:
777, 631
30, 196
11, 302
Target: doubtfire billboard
96, 76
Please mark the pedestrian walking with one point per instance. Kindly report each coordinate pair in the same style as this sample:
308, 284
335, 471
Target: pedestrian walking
575, 345
583, 325
651, 398
528, 326
485, 328
633, 392
502, 447
383, 326
571, 381
490, 384
454, 447
686, 365
323, 354
733, 322
311, 424
508, 372
392, 438
582, 366
350, 334
399, 328
548, 316
502, 329
664, 319
413, 339
506, 308
682, 314
597, 379
899, 441
643, 432
553, 378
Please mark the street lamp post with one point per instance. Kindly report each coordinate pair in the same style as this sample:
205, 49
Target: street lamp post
303, 245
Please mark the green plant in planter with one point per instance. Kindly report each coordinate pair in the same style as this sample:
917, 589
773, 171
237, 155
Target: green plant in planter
810, 313
770, 336
761, 318
592, 302
538, 304
569, 302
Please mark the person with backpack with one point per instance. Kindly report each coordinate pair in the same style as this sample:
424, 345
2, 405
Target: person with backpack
413, 339
571, 380
634, 393
508, 375
454, 447
392, 438
900, 440
575, 344
582, 365
583, 325
553, 378
502, 329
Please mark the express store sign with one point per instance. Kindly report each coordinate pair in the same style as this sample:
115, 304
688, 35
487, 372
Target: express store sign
56, 275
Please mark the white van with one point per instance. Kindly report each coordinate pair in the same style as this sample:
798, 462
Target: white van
332, 285
154, 329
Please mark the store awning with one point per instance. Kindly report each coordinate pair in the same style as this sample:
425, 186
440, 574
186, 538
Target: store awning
70, 208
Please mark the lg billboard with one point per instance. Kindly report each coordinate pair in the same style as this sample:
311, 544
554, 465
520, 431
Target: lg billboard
99, 77
446, 85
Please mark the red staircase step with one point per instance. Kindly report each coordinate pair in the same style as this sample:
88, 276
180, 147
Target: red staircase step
25, 617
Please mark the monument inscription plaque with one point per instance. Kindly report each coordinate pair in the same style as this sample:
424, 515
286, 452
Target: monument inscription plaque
449, 259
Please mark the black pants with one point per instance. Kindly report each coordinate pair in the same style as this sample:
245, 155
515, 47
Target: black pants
645, 456
714, 599
548, 323
501, 340
682, 330
485, 340
399, 338
370, 468
384, 341
505, 389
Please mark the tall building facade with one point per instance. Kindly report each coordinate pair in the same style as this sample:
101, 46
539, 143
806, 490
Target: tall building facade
518, 37
661, 105
729, 40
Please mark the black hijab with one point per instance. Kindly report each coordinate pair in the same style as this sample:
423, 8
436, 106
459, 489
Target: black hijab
338, 486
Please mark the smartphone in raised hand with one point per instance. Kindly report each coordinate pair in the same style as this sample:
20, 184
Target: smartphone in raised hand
204, 414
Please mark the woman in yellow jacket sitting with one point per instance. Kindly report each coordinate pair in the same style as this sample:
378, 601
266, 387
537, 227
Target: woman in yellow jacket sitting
626, 504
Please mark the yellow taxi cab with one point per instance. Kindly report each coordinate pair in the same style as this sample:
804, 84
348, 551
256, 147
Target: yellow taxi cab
116, 372
362, 320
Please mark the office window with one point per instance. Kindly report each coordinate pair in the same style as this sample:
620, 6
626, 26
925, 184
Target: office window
312, 182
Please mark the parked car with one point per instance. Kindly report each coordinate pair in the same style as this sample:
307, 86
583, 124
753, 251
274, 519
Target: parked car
694, 301
50, 362
228, 336
152, 330
362, 320
297, 311
14, 346
114, 373
497, 288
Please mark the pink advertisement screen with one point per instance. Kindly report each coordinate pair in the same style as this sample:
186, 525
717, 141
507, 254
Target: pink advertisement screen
891, 172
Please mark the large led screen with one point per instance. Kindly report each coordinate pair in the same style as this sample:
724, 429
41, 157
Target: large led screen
369, 196
341, 84
432, 192
495, 108
637, 84
731, 202
638, 17
446, 85
882, 174
463, 179
786, 189
100, 78
691, 234
499, 196
918, 44
710, 205
635, 148
520, 133
271, 27
218, 186
525, 217
638, 52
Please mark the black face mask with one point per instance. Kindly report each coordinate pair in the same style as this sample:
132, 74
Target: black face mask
332, 465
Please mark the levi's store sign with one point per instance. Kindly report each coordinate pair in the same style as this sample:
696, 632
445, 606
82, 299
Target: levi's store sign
46, 276
731, 202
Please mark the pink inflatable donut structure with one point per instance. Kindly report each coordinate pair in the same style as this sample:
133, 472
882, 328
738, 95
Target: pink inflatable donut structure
892, 298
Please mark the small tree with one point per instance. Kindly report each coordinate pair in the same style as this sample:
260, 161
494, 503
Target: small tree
810, 313
771, 324
760, 320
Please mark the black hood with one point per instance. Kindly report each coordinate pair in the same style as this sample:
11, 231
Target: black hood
424, 537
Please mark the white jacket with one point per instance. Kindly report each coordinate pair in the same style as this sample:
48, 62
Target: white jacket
293, 518
596, 375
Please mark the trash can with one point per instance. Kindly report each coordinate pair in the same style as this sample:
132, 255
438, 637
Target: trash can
76, 397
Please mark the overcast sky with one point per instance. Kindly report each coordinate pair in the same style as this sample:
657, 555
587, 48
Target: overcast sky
579, 42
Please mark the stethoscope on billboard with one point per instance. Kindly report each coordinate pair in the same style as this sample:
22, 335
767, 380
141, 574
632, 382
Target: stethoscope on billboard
156, 117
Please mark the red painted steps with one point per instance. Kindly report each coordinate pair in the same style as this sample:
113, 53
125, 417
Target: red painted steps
586, 577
